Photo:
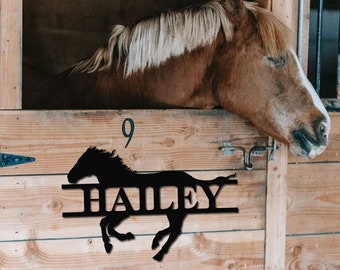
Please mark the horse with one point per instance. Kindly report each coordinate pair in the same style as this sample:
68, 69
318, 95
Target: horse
112, 172
229, 54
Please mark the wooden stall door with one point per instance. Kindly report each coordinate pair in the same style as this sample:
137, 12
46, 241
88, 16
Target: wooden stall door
34, 234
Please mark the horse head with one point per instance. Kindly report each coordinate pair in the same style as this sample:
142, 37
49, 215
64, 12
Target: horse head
84, 166
264, 81
100, 163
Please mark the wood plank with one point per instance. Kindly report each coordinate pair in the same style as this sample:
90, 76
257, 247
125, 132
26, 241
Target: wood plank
162, 139
10, 58
313, 252
241, 250
32, 207
287, 11
305, 39
313, 198
276, 210
34, 235
332, 152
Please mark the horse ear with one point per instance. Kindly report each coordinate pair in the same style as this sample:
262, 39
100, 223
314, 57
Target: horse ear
235, 10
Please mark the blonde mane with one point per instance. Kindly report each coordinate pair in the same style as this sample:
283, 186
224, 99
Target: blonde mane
151, 42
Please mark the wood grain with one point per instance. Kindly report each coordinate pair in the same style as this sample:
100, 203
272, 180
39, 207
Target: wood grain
313, 204
237, 250
305, 40
35, 204
162, 140
313, 252
10, 49
313, 214
276, 210
34, 234
313, 189
287, 11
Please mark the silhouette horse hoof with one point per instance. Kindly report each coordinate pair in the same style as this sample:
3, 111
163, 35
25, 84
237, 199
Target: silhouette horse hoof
129, 236
108, 247
155, 244
158, 257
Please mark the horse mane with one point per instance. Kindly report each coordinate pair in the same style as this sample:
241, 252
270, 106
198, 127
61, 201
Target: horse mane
152, 41
111, 160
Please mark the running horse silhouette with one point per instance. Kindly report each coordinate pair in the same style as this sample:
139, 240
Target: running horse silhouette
231, 54
112, 172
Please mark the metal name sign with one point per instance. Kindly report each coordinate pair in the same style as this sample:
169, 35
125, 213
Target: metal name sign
114, 175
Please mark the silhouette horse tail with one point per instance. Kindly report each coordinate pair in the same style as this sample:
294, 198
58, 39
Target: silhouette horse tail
224, 180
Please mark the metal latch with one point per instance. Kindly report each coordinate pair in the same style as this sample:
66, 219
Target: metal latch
7, 160
228, 149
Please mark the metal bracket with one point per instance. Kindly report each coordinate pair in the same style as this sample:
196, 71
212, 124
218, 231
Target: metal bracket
7, 160
259, 149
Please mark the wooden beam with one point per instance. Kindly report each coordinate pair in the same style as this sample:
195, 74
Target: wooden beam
11, 53
305, 35
275, 237
183, 139
287, 11
276, 199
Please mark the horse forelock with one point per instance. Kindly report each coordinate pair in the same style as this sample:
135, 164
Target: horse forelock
273, 34
152, 41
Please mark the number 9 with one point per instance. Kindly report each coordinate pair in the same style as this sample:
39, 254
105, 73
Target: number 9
131, 131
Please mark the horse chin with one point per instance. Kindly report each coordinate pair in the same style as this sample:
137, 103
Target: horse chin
304, 145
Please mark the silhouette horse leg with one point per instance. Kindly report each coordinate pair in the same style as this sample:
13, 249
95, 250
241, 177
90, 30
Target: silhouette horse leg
108, 224
174, 230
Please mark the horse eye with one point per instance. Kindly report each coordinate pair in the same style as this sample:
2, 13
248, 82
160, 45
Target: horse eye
277, 62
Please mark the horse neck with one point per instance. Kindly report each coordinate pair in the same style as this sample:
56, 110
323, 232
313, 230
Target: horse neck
154, 87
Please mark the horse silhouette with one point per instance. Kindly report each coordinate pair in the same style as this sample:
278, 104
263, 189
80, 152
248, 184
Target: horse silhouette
112, 172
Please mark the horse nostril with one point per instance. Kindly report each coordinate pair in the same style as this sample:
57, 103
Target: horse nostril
323, 130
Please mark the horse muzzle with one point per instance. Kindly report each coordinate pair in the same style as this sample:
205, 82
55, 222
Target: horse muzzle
72, 178
309, 145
